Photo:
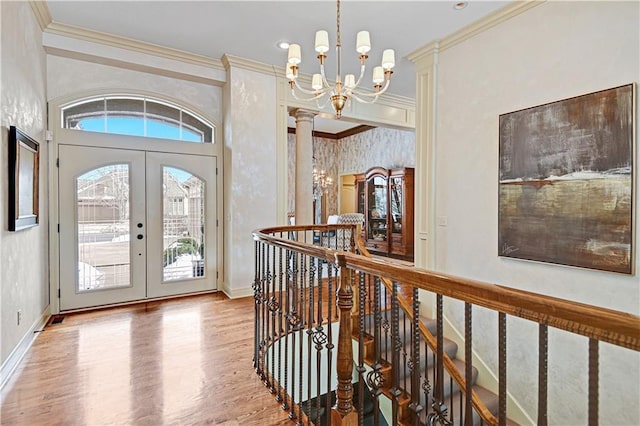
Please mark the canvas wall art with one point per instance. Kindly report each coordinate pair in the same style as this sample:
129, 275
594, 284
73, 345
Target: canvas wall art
566, 181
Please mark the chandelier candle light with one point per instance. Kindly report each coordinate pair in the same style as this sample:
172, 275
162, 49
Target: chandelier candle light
343, 91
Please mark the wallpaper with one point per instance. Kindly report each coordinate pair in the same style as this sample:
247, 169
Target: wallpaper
384, 147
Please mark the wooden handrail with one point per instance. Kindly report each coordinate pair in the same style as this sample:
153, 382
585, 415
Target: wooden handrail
607, 325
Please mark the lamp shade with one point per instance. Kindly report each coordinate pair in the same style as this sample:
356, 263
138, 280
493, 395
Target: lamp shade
363, 43
388, 59
378, 75
349, 81
295, 56
322, 41
316, 82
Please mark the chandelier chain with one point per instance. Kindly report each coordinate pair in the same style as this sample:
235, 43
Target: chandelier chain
338, 23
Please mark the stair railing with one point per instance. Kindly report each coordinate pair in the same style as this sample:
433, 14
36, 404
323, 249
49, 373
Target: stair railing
297, 273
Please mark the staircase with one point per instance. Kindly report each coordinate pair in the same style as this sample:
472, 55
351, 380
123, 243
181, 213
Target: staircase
452, 396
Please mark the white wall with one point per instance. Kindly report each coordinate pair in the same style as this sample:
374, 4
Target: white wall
551, 52
250, 171
24, 271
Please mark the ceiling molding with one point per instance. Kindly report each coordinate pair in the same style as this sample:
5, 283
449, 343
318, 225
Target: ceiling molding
475, 28
41, 11
336, 136
229, 61
125, 43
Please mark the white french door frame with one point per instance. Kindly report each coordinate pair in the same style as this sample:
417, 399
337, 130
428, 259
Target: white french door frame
104, 140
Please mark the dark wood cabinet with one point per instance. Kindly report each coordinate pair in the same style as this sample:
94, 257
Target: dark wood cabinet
385, 197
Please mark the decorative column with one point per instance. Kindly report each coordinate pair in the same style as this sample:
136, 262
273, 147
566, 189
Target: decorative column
304, 166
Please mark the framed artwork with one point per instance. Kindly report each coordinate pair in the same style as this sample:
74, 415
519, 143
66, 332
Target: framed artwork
566, 181
24, 160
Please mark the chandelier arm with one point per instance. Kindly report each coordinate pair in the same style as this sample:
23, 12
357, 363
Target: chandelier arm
362, 68
312, 98
324, 77
318, 93
365, 101
375, 95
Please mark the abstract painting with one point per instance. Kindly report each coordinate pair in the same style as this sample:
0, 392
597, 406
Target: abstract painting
566, 181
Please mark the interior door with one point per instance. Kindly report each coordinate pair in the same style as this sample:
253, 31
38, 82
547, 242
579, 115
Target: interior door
101, 205
135, 224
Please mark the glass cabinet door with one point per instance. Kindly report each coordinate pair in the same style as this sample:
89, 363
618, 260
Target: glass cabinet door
377, 209
397, 205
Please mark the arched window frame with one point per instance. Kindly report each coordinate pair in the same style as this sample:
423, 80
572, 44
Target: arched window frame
153, 110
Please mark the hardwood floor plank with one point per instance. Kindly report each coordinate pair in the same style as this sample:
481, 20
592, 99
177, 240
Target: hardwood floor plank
177, 362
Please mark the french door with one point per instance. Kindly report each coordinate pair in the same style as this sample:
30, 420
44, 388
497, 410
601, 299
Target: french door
134, 224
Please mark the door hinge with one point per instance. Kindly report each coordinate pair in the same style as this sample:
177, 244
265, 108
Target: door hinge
216, 275
58, 293
58, 228
216, 171
48, 135
217, 222
57, 162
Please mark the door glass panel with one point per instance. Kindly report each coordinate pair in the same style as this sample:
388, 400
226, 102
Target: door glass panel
396, 204
377, 200
183, 201
102, 203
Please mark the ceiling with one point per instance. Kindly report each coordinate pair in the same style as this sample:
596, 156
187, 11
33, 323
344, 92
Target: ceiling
251, 29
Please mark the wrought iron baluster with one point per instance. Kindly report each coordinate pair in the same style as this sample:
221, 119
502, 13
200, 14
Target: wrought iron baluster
256, 321
294, 323
301, 332
362, 295
266, 309
375, 379
468, 343
395, 357
310, 335
543, 351
331, 298
414, 365
593, 381
502, 369
440, 411
280, 331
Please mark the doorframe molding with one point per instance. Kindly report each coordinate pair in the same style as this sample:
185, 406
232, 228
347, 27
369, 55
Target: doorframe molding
56, 133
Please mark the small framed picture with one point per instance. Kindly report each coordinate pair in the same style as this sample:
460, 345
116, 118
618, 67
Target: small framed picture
24, 161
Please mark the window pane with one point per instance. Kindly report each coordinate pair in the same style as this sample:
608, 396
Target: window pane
86, 116
193, 125
103, 228
183, 213
137, 117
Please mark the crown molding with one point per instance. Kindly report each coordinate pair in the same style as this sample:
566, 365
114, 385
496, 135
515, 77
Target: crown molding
41, 12
125, 43
501, 15
229, 61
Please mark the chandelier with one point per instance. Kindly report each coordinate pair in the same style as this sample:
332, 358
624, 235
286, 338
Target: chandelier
321, 182
343, 90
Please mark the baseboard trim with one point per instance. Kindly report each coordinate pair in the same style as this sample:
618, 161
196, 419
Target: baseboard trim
13, 360
236, 293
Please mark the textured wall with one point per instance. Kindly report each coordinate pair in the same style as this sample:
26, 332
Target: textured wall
68, 77
501, 70
24, 273
250, 173
381, 146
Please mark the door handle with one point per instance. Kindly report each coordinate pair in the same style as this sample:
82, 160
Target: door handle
140, 236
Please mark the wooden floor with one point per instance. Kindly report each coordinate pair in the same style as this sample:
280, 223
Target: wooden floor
179, 362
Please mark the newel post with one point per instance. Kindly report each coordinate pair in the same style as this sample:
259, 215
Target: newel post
344, 413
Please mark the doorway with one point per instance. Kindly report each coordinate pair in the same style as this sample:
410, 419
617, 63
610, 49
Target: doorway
134, 224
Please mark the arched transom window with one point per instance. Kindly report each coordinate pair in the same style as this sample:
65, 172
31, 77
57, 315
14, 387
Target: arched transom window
137, 116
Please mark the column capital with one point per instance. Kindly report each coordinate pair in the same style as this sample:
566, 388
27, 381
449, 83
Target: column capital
301, 114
